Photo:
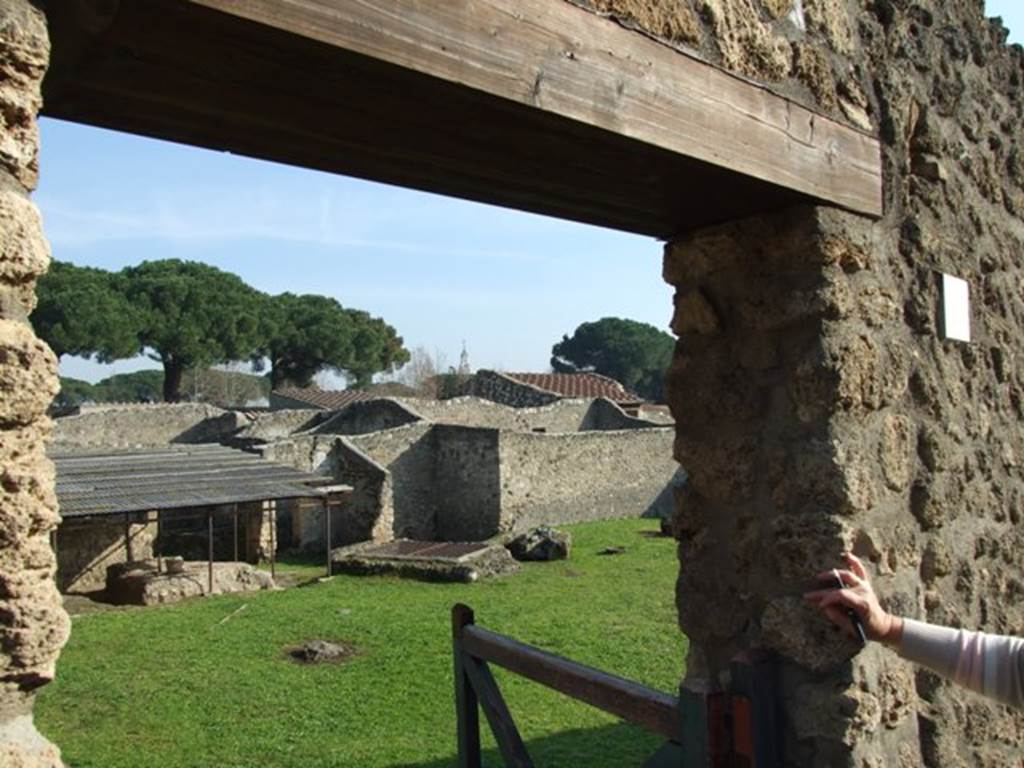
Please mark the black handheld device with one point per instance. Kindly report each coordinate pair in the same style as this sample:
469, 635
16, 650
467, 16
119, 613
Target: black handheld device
858, 625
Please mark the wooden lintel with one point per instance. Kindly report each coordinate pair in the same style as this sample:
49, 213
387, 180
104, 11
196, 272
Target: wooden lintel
531, 104
556, 57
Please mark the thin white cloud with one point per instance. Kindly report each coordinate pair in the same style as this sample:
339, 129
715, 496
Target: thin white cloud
71, 226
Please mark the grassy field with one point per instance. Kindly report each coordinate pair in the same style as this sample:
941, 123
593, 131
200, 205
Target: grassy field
179, 685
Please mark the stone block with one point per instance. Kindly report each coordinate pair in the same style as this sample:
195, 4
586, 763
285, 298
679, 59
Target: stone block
896, 450
801, 546
693, 313
936, 561
24, 251
796, 630
24, 57
28, 375
22, 746
541, 543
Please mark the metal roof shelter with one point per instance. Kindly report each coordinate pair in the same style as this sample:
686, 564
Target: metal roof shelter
174, 478
178, 478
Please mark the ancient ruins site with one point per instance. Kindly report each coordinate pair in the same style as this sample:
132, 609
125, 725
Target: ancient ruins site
817, 171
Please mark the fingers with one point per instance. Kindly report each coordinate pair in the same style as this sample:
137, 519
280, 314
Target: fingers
855, 565
849, 578
839, 598
840, 619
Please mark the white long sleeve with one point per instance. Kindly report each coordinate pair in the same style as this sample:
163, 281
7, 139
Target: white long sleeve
992, 665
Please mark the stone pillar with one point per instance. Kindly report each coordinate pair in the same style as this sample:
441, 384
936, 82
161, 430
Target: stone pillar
787, 386
33, 625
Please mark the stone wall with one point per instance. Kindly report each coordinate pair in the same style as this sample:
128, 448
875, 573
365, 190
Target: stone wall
495, 386
467, 477
444, 481
557, 416
817, 406
33, 625
369, 513
408, 455
556, 479
86, 547
398, 503
604, 414
267, 426
133, 426
366, 416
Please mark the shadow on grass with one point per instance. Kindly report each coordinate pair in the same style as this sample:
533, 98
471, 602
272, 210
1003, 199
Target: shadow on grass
610, 746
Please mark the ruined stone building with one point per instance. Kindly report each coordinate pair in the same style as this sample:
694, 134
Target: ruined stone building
814, 167
468, 469
464, 469
514, 389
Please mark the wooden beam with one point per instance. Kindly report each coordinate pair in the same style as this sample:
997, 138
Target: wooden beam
535, 105
561, 59
503, 726
651, 710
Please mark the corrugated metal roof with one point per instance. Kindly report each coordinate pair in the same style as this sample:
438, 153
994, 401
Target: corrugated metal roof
175, 477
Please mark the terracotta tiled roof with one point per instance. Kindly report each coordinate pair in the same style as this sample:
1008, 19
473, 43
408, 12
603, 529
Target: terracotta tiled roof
324, 399
578, 385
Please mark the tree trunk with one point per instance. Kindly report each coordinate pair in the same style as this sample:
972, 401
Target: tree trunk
278, 374
173, 371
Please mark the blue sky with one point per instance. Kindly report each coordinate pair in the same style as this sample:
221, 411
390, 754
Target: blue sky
440, 270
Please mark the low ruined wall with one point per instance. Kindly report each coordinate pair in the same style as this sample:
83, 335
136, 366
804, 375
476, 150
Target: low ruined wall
400, 504
557, 416
553, 479
491, 385
268, 426
369, 512
408, 455
366, 416
86, 547
144, 425
468, 483
604, 414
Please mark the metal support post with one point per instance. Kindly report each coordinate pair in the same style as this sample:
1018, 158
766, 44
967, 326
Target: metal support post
56, 557
209, 547
128, 538
327, 531
273, 539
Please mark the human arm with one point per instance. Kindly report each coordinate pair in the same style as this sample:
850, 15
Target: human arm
992, 665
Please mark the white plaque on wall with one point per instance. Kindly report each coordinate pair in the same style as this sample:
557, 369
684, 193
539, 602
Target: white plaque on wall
956, 309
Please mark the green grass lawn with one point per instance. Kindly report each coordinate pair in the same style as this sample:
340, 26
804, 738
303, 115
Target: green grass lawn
174, 686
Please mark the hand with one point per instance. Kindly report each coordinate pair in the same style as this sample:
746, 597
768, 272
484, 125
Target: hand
858, 596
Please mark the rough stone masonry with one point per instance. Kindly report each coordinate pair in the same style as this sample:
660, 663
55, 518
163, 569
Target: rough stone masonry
33, 625
817, 406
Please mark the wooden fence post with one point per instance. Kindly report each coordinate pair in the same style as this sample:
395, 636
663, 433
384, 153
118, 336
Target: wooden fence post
467, 712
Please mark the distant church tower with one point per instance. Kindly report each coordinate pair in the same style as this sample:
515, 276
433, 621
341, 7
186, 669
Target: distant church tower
464, 369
